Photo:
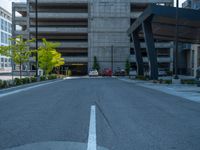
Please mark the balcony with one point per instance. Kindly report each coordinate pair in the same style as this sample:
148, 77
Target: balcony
60, 15
67, 45
59, 30
20, 20
60, 1
23, 33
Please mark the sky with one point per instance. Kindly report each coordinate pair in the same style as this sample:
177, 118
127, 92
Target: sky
7, 4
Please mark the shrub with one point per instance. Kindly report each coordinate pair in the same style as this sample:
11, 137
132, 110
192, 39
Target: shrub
60, 76
33, 79
69, 73
188, 81
52, 77
168, 81
1, 83
25, 80
162, 81
42, 78
169, 73
5, 84
141, 77
18, 81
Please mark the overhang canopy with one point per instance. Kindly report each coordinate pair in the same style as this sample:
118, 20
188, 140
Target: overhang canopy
163, 20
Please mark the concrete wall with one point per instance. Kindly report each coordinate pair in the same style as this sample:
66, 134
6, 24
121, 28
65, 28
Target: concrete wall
108, 24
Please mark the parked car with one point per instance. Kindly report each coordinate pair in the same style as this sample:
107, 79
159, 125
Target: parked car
132, 73
93, 73
120, 72
107, 72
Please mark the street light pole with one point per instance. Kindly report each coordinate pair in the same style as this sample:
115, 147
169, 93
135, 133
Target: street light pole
176, 42
36, 36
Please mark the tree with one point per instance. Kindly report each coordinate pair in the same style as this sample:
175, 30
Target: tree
18, 51
49, 57
127, 66
96, 64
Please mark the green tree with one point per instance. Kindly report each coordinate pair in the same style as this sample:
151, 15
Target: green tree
127, 66
49, 57
18, 51
96, 64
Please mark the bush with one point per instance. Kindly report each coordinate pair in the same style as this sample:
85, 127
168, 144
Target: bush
188, 81
18, 81
141, 77
168, 81
60, 76
1, 83
169, 73
162, 81
42, 78
69, 73
33, 79
52, 77
25, 80
5, 84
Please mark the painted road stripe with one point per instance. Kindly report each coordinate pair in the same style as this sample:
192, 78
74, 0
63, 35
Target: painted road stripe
92, 144
26, 89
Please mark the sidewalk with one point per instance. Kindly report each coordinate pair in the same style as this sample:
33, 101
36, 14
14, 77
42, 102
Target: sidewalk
189, 92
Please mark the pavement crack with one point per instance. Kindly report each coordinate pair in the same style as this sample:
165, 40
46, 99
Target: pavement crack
105, 118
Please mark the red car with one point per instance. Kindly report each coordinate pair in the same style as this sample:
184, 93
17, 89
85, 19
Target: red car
107, 72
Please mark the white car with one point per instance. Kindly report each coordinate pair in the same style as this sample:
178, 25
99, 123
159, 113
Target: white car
93, 73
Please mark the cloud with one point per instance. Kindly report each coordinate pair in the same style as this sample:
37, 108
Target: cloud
7, 4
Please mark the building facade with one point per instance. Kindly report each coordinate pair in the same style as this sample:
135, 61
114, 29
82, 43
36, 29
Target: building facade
88, 28
192, 51
5, 34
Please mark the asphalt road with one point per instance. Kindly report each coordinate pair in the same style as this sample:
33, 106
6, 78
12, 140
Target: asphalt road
128, 117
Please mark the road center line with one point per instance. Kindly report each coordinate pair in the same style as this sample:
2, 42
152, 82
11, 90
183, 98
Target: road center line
92, 144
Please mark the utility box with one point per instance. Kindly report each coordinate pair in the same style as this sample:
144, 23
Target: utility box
40, 72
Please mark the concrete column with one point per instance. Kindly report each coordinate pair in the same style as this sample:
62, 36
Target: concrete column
151, 51
138, 54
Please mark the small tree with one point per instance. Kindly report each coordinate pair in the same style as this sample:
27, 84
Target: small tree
96, 64
49, 57
19, 51
127, 66
57, 60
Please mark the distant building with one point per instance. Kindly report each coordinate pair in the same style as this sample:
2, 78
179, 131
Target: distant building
192, 50
88, 28
5, 34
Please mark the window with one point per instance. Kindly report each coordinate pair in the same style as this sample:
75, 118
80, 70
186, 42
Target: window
6, 26
6, 39
2, 37
10, 28
2, 24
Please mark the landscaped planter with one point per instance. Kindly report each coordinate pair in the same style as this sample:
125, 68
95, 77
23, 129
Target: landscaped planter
27, 80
